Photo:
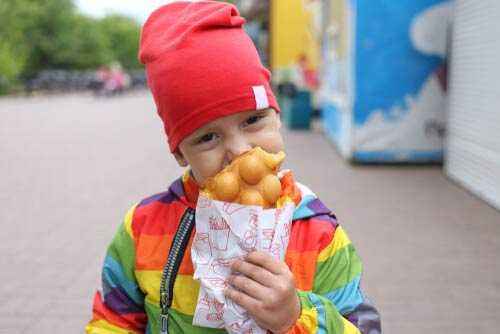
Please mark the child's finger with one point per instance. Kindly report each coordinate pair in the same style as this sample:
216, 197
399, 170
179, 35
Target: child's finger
265, 261
249, 287
254, 272
248, 303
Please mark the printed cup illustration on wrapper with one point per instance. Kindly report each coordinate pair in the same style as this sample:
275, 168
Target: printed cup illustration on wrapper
203, 248
210, 309
267, 238
249, 240
219, 233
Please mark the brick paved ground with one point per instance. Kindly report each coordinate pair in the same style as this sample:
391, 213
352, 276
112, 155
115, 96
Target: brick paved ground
70, 167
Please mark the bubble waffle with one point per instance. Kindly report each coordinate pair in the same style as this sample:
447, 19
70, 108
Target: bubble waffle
249, 180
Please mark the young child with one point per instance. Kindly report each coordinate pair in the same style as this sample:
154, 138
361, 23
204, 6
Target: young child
214, 97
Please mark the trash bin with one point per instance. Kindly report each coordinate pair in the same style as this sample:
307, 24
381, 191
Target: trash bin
295, 106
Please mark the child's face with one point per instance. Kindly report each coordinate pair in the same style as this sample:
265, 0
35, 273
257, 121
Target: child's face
209, 149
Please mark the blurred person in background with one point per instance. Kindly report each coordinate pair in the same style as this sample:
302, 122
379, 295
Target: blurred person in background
112, 80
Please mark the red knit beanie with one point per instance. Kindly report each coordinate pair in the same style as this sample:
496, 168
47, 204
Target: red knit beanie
201, 65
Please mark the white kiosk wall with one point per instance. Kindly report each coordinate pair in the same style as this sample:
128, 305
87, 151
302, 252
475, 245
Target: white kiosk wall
473, 144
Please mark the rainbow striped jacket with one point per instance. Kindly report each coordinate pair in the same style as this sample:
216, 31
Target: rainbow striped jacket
324, 262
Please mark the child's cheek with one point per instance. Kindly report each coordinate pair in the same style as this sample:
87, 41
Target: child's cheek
271, 141
209, 163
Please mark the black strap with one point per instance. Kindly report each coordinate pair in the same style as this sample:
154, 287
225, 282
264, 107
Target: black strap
171, 268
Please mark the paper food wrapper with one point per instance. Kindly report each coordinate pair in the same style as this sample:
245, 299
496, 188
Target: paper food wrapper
225, 232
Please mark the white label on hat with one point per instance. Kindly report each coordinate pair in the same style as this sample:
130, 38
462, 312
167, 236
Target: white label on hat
261, 100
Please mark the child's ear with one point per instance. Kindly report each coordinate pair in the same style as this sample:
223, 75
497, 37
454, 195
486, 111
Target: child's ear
180, 159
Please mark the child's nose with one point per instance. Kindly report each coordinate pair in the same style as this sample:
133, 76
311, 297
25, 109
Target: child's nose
235, 147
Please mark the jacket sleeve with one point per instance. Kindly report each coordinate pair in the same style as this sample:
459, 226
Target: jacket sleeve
336, 304
120, 306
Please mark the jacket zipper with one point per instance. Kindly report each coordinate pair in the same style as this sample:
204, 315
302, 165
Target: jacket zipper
171, 268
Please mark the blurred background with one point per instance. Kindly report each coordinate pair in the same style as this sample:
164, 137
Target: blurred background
391, 114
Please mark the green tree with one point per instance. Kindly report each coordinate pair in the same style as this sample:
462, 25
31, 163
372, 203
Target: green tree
64, 39
51, 19
16, 17
50, 34
123, 34
81, 46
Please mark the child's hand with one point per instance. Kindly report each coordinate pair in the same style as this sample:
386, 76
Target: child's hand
266, 289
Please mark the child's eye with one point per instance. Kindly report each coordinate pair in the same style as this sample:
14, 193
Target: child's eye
206, 138
253, 119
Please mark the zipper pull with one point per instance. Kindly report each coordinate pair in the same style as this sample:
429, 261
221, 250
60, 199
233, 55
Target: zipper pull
164, 323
